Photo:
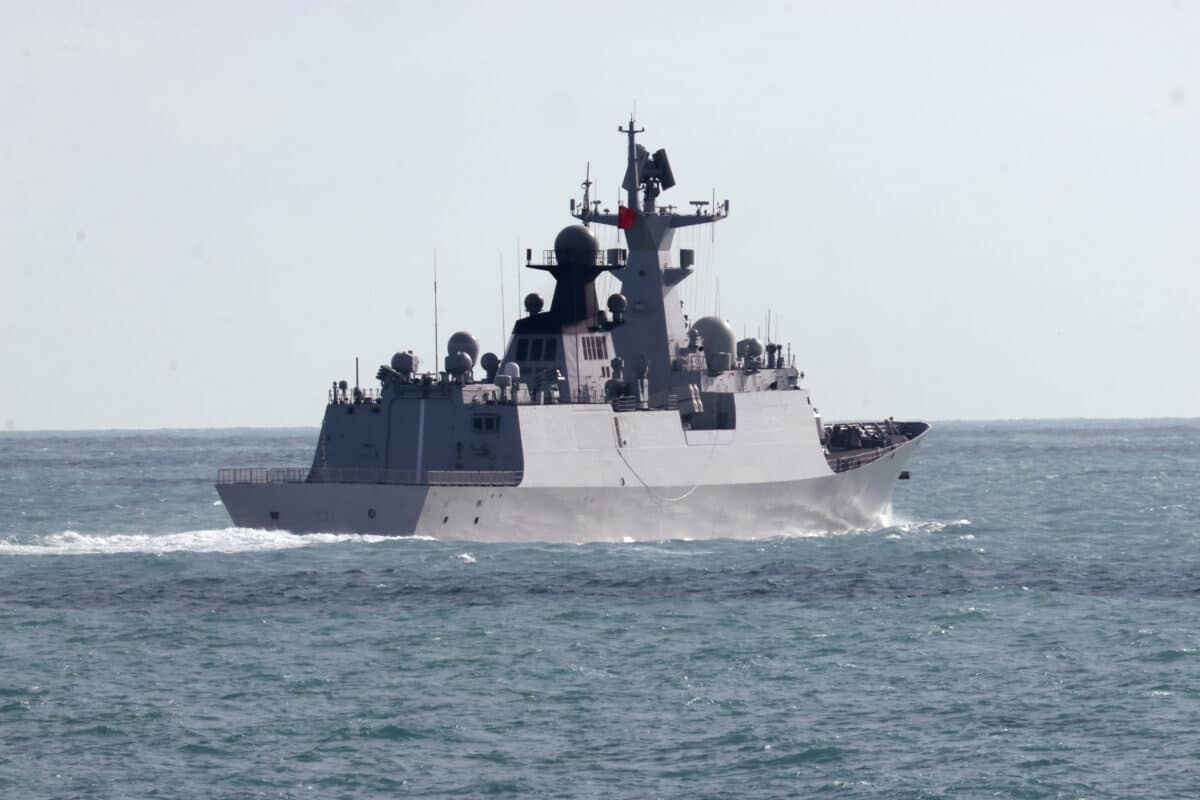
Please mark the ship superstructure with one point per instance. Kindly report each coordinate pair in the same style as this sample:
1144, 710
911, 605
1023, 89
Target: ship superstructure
597, 424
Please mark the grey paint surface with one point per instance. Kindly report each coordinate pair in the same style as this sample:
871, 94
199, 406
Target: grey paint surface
667, 439
846, 501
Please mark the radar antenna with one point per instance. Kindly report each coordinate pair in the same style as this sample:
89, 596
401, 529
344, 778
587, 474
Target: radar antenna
587, 194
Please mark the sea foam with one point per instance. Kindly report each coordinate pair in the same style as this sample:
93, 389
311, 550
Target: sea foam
224, 540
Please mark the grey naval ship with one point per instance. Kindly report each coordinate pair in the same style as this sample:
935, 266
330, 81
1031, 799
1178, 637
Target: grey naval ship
630, 421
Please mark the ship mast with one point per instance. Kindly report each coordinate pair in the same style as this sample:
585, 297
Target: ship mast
655, 333
631, 174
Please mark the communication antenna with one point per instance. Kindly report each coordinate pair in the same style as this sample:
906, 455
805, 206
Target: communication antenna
503, 322
587, 195
713, 228
436, 347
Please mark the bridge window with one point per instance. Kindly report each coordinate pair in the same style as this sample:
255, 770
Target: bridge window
595, 348
485, 423
536, 349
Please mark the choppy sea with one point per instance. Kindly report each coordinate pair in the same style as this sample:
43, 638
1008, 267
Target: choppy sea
1027, 626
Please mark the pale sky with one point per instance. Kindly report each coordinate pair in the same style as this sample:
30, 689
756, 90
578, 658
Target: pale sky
954, 210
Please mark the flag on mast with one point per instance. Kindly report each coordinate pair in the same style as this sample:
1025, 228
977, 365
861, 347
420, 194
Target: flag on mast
625, 217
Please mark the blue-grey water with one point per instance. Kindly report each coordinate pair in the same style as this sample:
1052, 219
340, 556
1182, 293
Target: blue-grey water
1028, 627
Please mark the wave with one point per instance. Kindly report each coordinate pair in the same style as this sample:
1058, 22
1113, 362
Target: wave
225, 540
928, 526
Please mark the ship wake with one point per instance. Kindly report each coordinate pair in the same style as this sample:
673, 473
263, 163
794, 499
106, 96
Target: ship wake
224, 540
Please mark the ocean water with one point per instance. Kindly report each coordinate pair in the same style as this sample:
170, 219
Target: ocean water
1028, 626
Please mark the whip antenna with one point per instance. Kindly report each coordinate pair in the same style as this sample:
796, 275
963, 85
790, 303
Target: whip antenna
436, 348
503, 323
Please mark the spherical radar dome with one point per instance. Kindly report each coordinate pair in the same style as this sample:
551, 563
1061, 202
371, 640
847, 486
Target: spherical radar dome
575, 246
749, 347
534, 303
463, 342
459, 363
716, 334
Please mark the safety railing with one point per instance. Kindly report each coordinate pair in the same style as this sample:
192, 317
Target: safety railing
262, 475
846, 463
361, 475
456, 477
550, 258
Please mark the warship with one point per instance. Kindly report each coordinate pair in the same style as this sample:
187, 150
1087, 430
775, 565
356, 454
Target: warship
628, 421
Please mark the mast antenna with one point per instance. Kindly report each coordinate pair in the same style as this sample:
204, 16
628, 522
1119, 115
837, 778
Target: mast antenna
587, 194
503, 321
632, 179
713, 228
436, 347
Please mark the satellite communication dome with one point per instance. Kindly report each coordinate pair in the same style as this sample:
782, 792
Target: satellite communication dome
575, 246
716, 334
750, 348
459, 363
534, 303
490, 362
617, 304
463, 342
511, 369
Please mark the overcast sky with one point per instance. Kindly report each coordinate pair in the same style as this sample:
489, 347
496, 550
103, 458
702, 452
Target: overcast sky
954, 210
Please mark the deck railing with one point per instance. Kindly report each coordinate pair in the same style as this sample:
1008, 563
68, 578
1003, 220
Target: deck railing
460, 477
550, 258
453, 477
846, 463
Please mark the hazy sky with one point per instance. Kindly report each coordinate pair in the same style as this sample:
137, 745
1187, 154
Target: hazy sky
955, 210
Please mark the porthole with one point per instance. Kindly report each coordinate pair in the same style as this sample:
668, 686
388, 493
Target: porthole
445, 520
371, 513
477, 520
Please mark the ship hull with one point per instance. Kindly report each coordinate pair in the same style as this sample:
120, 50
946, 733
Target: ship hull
856, 499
